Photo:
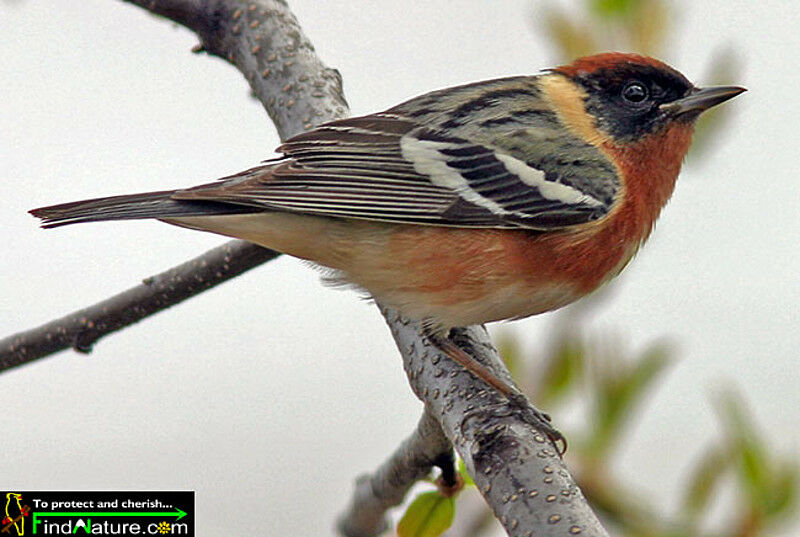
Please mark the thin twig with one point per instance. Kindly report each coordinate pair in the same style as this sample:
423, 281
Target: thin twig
377, 493
83, 328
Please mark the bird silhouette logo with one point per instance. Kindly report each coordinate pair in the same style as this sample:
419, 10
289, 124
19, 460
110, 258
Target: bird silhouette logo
15, 514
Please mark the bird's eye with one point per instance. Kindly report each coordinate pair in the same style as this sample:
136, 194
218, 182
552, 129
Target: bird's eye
635, 92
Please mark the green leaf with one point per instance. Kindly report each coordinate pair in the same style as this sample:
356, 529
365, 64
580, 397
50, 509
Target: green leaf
783, 493
462, 469
752, 460
770, 484
754, 470
614, 8
429, 515
703, 482
620, 389
571, 39
562, 371
649, 26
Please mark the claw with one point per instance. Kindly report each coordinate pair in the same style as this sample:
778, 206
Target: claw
541, 421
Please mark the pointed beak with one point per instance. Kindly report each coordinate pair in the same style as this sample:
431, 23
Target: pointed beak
701, 99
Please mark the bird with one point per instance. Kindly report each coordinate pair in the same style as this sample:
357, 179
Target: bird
14, 513
489, 201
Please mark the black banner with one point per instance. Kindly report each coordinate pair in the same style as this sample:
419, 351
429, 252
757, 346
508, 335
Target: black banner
77, 513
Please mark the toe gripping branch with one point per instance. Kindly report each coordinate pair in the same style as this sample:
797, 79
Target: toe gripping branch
517, 400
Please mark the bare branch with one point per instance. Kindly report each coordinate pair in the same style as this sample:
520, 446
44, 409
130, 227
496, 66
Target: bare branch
515, 466
377, 493
81, 329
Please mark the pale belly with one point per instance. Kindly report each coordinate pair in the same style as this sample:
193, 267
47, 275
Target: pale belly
510, 302
453, 278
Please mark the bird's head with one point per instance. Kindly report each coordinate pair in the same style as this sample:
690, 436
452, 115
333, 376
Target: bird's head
630, 96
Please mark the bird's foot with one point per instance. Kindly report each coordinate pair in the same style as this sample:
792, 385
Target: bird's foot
518, 405
517, 401
539, 420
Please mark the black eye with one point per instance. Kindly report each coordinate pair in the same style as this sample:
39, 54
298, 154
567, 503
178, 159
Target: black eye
635, 92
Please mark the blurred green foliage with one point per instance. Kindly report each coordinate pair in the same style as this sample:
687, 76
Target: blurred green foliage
614, 383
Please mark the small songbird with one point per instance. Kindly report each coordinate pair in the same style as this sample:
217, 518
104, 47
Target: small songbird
493, 200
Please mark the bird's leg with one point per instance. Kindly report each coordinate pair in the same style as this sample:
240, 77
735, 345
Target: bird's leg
529, 413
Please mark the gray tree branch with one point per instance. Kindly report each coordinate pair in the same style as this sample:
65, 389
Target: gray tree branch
515, 467
386, 488
81, 329
518, 471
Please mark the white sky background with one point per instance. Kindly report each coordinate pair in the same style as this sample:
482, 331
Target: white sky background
269, 394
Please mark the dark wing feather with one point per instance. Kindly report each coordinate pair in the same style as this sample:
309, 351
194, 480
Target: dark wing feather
386, 167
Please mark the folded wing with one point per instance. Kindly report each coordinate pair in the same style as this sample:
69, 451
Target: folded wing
386, 167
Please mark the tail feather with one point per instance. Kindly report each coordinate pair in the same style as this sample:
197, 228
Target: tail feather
132, 207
